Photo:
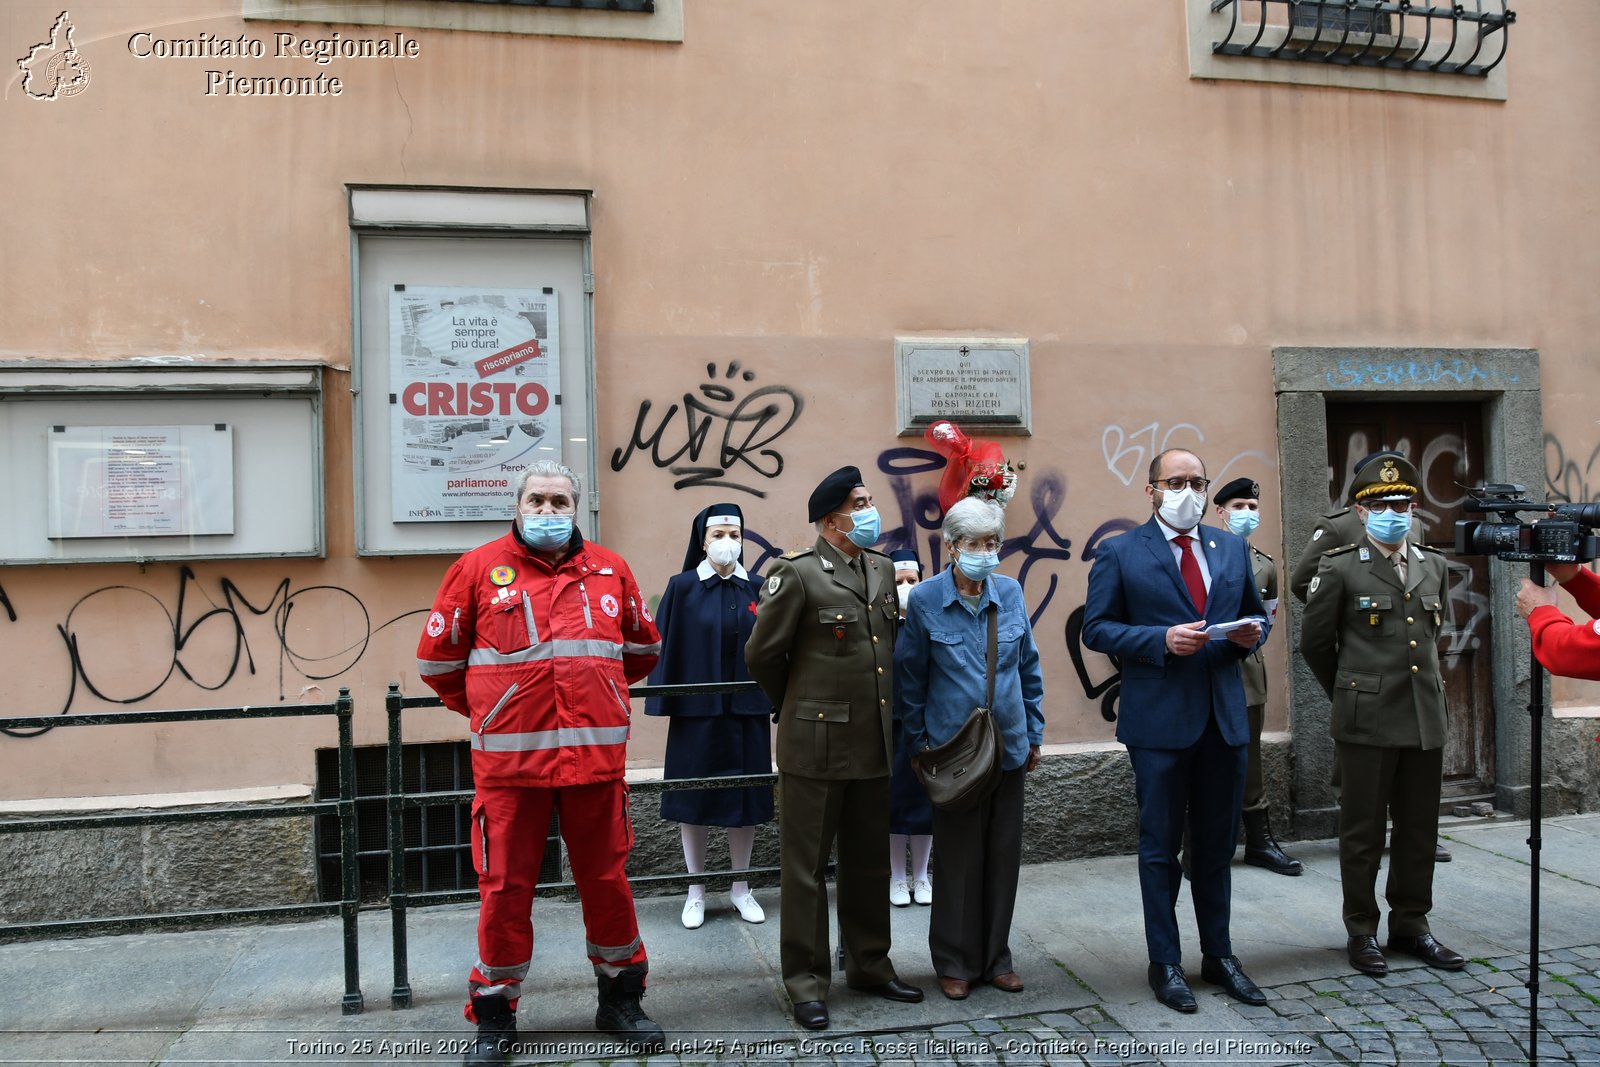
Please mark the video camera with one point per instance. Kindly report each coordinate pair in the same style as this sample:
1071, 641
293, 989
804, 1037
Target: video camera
1564, 536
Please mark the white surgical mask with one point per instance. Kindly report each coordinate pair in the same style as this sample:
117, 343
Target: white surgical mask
1182, 508
904, 593
723, 551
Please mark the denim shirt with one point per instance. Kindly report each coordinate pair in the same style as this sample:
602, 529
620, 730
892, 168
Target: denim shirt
940, 673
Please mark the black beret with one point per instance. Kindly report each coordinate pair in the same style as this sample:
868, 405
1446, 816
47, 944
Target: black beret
831, 491
1238, 489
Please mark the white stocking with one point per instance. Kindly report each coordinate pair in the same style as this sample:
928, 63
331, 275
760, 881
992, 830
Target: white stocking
741, 843
921, 849
694, 855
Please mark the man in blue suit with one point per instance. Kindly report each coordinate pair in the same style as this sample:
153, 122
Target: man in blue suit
1152, 593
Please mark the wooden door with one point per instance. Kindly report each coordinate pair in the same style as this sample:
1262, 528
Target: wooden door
1445, 441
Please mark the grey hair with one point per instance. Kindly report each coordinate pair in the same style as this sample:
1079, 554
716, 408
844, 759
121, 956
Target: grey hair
550, 468
973, 517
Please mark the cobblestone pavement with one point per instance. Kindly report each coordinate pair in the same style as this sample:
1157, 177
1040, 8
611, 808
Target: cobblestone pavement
1415, 1016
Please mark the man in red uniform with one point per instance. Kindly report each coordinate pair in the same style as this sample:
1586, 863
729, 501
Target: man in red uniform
1563, 646
534, 637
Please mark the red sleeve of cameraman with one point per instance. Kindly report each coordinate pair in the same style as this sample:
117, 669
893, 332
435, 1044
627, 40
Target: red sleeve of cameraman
1566, 648
1585, 589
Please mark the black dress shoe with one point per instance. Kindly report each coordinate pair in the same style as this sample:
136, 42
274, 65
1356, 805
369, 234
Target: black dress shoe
1226, 972
1366, 956
1441, 854
811, 1014
1425, 948
894, 989
1172, 988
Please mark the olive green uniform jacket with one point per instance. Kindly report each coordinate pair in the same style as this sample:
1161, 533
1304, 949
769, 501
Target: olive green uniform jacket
1253, 667
1333, 530
1373, 645
822, 650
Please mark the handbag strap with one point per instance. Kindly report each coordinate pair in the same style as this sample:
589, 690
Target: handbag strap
994, 647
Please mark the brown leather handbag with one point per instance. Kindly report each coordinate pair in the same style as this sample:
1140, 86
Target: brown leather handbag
961, 773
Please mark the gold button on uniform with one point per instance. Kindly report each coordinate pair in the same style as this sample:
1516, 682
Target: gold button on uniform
880, 670
841, 618
874, 638
819, 714
1413, 670
1408, 596
1409, 620
1413, 644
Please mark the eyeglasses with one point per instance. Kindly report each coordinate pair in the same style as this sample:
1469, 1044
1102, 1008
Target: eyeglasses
967, 544
1177, 484
1387, 505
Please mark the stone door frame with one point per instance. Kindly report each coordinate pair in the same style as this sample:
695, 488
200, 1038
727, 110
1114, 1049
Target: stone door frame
1505, 381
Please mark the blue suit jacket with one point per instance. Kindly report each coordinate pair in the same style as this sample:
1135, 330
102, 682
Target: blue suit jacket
1135, 595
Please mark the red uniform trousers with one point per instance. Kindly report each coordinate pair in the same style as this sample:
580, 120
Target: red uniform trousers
509, 827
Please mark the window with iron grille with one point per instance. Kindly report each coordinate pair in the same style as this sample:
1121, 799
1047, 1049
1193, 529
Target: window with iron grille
438, 840
1416, 46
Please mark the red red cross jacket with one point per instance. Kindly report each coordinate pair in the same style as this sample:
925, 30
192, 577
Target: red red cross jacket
539, 659
1567, 648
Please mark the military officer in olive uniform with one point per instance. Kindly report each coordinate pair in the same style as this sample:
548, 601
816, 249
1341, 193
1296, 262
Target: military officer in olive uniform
822, 650
1333, 530
1238, 505
1370, 635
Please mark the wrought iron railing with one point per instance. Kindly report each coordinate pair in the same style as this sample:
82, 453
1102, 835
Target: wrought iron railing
344, 807
400, 900
1465, 38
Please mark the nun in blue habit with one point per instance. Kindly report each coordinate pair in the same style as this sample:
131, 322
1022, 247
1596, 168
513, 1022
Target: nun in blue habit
705, 617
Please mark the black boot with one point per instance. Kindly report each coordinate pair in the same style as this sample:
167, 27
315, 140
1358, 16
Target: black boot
1261, 848
620, 1014
497, 1032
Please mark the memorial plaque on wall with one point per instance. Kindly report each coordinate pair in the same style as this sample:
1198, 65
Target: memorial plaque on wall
973, 381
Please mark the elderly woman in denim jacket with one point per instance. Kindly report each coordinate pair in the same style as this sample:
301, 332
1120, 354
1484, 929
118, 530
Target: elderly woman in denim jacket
940, 676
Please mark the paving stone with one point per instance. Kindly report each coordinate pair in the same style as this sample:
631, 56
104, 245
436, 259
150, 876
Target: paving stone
1296, 991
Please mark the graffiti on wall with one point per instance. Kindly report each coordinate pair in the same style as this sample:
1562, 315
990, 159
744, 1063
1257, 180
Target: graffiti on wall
724, 437
1128, 453
203, 635
1566, 480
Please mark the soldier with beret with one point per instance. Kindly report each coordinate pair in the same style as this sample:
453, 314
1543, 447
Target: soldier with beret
1370, 635
822, 651
1238, 505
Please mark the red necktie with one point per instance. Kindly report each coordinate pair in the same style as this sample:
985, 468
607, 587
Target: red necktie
1190, 568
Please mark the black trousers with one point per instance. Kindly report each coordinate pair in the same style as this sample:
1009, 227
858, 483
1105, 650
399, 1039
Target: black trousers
977, 858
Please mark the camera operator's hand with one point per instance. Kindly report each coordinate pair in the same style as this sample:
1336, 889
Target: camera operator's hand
1531, 596
1562, 572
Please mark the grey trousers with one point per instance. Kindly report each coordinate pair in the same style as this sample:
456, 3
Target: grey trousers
977, 858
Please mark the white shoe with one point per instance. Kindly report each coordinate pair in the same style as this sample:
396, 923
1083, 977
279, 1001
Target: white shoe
922, 891
749, 910
900, 893
694, 914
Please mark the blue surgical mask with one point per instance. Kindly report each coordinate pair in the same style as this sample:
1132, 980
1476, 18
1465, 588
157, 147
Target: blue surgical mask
1388, 527
546, 532
865, 532
1244, 521
977, 565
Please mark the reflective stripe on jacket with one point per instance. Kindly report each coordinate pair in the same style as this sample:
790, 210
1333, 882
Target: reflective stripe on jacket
539, 659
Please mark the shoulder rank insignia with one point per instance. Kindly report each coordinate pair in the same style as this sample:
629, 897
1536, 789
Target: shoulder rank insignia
1341, 550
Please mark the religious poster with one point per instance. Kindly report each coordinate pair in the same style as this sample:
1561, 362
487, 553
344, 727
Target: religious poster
475, 381
140, 481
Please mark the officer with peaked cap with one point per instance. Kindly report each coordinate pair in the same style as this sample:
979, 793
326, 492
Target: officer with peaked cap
822, 651
1238, 505
1340, 527
1370, 635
